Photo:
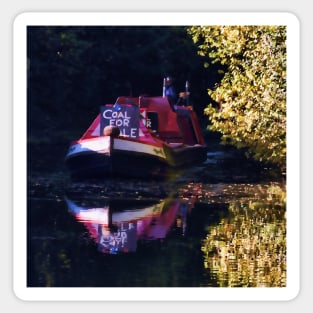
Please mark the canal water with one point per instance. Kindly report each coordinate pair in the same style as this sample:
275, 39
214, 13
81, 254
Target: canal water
218, 224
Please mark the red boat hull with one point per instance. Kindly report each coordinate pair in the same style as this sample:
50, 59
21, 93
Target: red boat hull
174, 141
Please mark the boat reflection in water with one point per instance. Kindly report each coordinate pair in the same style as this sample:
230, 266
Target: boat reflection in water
118, 230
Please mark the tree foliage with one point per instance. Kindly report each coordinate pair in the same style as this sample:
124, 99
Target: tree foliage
72, 70
251, 96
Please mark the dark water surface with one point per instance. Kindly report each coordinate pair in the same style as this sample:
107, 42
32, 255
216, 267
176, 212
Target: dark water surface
219, 224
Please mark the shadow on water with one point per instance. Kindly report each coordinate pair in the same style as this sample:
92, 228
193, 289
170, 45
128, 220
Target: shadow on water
218, 224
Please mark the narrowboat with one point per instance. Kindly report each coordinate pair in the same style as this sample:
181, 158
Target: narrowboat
138, 137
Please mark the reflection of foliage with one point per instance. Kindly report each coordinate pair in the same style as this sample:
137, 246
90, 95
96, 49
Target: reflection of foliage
257, 194
252, 93
249, 248
276, 194
50, 264
61, 252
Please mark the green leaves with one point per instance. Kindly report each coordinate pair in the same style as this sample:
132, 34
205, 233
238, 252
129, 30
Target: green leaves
252, 93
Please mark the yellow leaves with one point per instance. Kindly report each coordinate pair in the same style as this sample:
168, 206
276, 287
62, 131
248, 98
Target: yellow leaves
252, 93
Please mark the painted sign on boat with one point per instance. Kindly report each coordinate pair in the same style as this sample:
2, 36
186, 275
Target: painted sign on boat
125, 117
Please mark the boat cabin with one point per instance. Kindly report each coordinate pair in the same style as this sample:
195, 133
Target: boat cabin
170, 123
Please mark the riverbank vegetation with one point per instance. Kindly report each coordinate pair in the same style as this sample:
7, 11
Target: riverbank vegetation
240, 97
249, 107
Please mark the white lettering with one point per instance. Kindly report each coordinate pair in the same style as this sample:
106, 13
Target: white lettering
119, 123
132, 132
148, 123
117, 118
116, 114
123, 121
123, 132
106, 114
126, 122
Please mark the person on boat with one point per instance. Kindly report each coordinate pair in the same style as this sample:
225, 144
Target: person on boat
169, 90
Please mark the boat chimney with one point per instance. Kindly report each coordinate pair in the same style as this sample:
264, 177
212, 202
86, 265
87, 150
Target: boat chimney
164, 87
187, 92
